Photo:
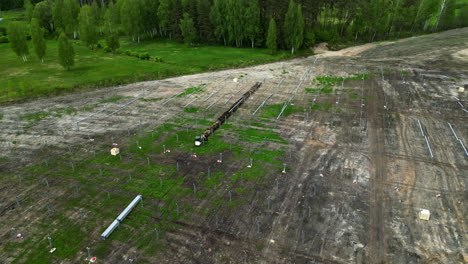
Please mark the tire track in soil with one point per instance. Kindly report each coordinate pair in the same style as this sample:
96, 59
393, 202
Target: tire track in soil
377, 248
280, 223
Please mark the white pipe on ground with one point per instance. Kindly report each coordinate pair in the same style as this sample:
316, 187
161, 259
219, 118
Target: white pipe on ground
121, 217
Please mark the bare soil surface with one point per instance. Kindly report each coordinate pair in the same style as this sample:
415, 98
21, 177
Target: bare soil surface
359, 166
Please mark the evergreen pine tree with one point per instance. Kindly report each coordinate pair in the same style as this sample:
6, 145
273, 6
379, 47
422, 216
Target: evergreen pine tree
204, 24
66, 52
272, 36
176, 16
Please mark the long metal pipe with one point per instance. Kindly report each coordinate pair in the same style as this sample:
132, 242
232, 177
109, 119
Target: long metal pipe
453, 131
420, 127
429, 147
121, 217
229, 112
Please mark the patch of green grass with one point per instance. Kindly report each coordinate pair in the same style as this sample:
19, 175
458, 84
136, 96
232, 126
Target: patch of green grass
192, 90
24, 80
35, 117
38, 116
10, 16
322, 107
329, 81
259, 135
68, 239
325, 90
311, 90
159, 182
271, 111
191, 109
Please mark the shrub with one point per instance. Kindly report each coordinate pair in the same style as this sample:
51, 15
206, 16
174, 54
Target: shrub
144, 56
309, 39
107, 49
323, 36
99, 46
157, 59
4, 39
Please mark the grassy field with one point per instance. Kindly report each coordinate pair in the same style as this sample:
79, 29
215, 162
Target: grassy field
98, 69
154, 175
10, 15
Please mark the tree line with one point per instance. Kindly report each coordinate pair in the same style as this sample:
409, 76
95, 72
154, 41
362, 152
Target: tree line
276, 24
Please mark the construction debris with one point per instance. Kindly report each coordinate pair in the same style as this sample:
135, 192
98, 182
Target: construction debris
115, 151
424, 214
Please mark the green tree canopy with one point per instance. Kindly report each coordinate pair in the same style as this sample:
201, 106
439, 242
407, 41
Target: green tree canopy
111, 22
294, 26
205, 27
29, 8
188, 29
57, 14
131, 17
37, 37
43, 13
252, 19
112, 41
71, 9
219, 20
17, 37
66, 52
272, 36
87, 26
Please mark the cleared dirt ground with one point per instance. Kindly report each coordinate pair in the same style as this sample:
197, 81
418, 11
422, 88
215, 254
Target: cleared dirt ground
358, 165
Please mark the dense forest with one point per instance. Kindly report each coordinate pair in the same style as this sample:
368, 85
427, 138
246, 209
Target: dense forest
244, 23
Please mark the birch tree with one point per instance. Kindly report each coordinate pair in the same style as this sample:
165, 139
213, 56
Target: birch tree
37, 37
17, 37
